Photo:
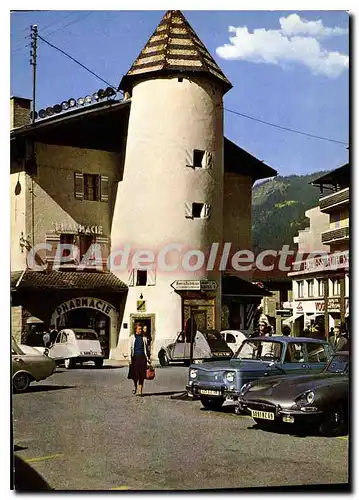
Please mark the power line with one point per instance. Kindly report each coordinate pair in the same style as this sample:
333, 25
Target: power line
77, 62
286, 128
69, 24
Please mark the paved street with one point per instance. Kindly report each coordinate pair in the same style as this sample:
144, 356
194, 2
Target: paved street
84, 430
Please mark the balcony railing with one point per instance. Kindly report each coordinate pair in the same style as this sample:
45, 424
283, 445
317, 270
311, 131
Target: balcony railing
331, 200
342, 233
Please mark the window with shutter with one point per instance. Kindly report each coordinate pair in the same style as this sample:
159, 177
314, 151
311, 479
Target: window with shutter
104, 187
151, 277
189, 158
131, 278
91, 187
79, 186
207, 161
141, 277
198, 157
188, 210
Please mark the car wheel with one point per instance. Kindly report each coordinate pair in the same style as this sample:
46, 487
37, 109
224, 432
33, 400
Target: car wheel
69, 363
163, 358
21, 381
334, 422
212, 403
98, 363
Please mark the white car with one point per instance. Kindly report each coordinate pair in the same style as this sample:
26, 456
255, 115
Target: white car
77, 345
233, 338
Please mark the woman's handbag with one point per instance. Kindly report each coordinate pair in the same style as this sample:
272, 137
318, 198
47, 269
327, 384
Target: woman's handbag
150, 372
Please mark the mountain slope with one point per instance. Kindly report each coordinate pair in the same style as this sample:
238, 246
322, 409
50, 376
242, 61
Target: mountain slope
278, 209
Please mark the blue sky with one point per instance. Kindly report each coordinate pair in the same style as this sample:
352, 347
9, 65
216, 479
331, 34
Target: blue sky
287, 67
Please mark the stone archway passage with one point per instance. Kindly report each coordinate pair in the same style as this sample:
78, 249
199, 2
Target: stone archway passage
90, 303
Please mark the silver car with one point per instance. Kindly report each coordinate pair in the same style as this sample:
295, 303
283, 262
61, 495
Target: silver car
29, 366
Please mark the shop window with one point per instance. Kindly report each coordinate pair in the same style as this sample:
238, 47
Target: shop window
85, 241
310, 288
300, 289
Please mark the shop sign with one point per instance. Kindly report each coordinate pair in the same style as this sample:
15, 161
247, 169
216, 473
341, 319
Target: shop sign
64, 227
81, 302
205, 285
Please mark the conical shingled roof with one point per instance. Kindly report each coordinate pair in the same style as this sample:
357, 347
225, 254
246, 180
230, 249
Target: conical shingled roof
174, 47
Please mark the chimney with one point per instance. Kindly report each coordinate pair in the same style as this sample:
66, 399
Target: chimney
20, 114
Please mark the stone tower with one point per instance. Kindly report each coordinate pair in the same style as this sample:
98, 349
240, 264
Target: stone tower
172, 187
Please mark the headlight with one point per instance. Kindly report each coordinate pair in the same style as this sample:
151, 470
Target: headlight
310, 396
192, 373
244, 388
305, 398
229, 377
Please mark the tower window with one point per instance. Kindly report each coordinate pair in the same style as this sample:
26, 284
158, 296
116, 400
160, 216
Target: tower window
198, 156
197, 210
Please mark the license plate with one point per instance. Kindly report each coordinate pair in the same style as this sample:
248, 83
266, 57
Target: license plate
266, 415
209, 392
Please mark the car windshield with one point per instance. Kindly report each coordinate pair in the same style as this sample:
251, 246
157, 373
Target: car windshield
338, 364
86, 335
260, 350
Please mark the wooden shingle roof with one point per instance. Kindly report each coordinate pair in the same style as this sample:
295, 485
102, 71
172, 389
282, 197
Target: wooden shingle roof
174, 47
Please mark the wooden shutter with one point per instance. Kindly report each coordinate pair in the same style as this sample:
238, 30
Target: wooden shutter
206, 211
207, 161
189, 157
131, 278
104, 188
151, 277
79, 186
188, 210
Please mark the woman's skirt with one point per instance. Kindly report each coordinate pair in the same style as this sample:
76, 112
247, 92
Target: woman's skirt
138, 366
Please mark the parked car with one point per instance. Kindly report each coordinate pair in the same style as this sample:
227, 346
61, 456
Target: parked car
319, 399
233, 338
29, 366
206, 344
36, 341
213, 382
77, 345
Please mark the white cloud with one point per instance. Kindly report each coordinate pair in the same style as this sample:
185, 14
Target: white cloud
294, 25
296, 42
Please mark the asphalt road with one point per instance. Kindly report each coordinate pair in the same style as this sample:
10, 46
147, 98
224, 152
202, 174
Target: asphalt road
84, 430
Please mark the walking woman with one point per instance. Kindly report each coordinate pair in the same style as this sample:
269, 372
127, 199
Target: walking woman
139, 356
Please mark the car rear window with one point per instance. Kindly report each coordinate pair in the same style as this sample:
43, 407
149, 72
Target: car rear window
86, 336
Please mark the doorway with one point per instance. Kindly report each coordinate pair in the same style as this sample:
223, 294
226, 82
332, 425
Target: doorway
148, 327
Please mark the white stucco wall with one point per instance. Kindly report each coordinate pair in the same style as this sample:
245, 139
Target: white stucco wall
167, 118
17, 219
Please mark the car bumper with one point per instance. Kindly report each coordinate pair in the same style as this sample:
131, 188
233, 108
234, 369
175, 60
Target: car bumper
292, 416
220, 392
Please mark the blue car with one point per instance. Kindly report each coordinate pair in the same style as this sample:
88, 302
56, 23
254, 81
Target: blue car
215, 381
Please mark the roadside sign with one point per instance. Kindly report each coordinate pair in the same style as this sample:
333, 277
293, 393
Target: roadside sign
205, 285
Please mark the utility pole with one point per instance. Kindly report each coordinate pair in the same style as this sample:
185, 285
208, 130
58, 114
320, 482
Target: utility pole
33, 59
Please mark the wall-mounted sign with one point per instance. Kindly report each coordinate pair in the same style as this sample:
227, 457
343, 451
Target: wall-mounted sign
64, 227
205, 285
84, 302
141, 306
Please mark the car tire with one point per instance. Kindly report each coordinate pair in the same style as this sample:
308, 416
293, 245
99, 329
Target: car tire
21, 382
163, 358
334, 423
98, 363
69, 363
212, 403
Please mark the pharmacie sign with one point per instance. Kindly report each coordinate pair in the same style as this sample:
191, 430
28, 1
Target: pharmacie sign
81, 302
64, 227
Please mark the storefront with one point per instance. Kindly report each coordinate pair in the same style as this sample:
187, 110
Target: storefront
73, 300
